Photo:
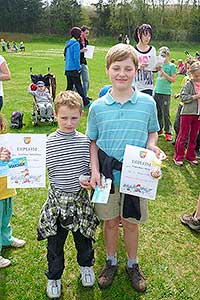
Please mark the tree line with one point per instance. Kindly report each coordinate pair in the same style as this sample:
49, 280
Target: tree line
177, 21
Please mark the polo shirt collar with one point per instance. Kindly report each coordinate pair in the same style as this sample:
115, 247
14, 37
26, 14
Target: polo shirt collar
110, 100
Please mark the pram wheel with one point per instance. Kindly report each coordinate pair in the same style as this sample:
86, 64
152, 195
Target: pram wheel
34, 123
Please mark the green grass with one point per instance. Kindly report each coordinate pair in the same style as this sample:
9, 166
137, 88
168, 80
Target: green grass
168, 252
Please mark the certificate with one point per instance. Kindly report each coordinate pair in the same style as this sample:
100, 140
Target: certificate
90, 52
136, 178
27, 167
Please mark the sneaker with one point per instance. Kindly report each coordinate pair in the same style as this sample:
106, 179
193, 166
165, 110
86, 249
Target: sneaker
107, 274
160, 132
87, 276
17, 243
137, 278
178, 162
190, 221
54, 288
193, 162
168, 137
197, 154
4, 262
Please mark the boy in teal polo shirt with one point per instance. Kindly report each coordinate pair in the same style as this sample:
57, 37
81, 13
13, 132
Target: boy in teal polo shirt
163, 90
122, 116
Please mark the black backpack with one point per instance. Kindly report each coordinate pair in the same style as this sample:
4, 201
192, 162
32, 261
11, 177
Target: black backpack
16, 120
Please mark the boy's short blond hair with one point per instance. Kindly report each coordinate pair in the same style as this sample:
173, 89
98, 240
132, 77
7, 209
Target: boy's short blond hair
195, 67
70, 99
3, 124
121, 52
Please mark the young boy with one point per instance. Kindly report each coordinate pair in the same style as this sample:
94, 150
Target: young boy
68, 207
43, 100
163, 90
122, 116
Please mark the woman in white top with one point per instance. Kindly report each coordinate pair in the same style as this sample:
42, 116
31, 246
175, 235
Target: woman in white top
4, 75
147, 59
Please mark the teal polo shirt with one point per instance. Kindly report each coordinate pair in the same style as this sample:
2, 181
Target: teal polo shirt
164, 86
114, 125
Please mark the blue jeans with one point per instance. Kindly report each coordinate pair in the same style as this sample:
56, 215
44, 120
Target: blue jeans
6, 238
85, 78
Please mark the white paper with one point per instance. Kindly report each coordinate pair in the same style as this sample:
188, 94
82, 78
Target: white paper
136, 178
90, 52
31, 150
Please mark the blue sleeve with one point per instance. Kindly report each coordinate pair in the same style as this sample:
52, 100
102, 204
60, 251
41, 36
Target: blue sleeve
92, 130
153, 125
77, 56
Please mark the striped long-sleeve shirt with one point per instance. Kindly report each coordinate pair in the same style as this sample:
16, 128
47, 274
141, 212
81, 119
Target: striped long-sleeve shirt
68, 157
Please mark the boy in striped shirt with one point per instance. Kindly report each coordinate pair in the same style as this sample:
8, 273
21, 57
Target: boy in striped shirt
68, 207
122, 116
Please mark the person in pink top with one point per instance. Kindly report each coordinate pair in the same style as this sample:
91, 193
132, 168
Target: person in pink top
190, 118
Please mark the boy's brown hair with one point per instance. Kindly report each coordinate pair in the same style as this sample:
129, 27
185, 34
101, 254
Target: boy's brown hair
70, 99
3, 124
121, 52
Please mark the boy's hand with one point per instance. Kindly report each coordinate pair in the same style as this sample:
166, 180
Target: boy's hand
159, 153
4, 154
95, 180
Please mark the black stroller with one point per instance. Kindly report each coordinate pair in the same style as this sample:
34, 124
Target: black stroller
50, 82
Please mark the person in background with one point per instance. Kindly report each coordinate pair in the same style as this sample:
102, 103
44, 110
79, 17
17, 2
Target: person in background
21, 46
189, 119
43, 99
4, 75
6, 204
3, 45
166, 76
68, 207
120, 38
192, 220
72, 64
8, 46
181, 69
84, 67
122, 116
147, 59
126, 40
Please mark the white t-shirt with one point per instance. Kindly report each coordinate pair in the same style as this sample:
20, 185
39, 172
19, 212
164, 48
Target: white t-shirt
144, 77
2, 60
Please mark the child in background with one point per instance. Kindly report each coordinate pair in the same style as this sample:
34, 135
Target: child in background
122, 116
6, 198
163, 90
43, 100
189, 120
181, 69
68, 207
147, 59
192, 220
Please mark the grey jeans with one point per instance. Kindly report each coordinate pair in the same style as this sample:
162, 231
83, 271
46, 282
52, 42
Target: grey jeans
163, 105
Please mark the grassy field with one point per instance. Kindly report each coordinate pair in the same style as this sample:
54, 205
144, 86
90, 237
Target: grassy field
168, 251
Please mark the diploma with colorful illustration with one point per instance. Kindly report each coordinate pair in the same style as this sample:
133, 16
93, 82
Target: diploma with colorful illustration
27, 167
140, 172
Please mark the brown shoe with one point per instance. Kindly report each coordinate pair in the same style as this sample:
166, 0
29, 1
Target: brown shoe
137, 278
107, 274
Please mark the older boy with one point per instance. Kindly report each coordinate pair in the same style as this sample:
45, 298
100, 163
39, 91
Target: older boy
68, 206
122, 116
